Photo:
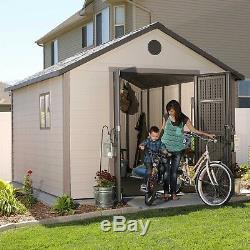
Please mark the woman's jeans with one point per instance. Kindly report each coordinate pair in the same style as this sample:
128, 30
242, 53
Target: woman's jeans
170, 175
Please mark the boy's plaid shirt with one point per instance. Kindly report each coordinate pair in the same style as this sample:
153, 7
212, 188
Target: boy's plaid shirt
154, 146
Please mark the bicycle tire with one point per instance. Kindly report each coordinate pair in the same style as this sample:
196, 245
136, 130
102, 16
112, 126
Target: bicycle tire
212, 194
151, 191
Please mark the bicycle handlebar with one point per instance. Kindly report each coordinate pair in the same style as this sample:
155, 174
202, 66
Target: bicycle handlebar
202, 138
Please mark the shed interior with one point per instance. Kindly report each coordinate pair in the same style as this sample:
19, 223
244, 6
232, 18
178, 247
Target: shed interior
153, 90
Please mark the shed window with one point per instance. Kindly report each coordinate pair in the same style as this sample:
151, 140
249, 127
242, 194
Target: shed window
45, 116
119, 22
87, 35
102, 27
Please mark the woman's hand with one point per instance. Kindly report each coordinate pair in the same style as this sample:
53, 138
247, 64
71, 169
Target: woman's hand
141, 147
211, 136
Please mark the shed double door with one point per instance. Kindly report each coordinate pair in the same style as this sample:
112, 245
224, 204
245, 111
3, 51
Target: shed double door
213, 114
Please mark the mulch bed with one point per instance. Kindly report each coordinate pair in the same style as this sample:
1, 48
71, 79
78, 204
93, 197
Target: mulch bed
40, 211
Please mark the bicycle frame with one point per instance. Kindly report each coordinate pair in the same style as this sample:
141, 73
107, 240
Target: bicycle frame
204, 158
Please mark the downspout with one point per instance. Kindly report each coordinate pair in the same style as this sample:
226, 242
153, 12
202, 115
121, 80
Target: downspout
12, 139
142, 8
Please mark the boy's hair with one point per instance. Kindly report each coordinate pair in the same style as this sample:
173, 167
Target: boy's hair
154, 129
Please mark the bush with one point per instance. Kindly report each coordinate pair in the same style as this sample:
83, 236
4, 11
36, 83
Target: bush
8, 202
64, 205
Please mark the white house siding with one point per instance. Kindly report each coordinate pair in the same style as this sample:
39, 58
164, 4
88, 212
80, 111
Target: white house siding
5, 146
218, 27
242, 121
36, 149
142, 18
91, 102
70, 43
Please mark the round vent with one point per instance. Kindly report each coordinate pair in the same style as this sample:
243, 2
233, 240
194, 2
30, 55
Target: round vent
154, 47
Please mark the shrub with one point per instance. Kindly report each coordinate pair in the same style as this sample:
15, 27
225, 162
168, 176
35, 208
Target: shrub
64, 205
245, 170
8, 203
28, 199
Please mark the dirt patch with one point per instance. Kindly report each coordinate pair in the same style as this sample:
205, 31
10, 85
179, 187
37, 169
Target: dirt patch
41, 211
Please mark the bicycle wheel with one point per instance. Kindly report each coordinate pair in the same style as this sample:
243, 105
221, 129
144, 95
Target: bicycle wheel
151, 190
180, 183
218, 193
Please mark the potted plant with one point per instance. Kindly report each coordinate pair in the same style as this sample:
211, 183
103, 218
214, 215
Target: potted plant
104, 190
237, 178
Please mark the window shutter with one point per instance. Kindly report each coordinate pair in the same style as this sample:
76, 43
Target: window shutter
52, 53
84, 37
99, 29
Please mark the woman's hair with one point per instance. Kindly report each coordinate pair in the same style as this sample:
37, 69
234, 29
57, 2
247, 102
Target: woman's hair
177, 107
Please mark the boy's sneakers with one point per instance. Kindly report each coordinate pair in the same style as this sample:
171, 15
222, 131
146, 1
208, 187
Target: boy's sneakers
143, 187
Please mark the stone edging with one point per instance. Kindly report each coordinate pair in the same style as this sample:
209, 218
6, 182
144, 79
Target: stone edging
70, 218
91, 215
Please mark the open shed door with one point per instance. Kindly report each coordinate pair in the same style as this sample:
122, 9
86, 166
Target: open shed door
213, 113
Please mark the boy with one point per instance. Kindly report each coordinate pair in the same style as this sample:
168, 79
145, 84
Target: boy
154, 144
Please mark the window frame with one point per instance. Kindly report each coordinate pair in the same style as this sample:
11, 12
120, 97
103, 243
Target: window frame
86, 26
97, 13
54, 52
114, 19
95, 32
46, 126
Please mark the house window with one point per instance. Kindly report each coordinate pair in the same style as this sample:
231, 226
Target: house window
87, 35
102, 27
244, 94
54, 52
119, 22
45, 116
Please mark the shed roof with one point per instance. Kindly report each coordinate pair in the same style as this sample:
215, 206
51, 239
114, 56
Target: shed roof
87, 55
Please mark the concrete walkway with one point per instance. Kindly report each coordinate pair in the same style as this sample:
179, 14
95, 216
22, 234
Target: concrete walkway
187, 199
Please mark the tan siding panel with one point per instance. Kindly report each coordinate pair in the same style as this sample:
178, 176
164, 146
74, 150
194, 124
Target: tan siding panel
155, 107
39, 150
89, 112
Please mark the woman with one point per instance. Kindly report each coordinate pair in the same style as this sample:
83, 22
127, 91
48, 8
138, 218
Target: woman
173, 125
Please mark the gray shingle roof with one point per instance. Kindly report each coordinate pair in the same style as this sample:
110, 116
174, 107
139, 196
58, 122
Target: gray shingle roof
87, 55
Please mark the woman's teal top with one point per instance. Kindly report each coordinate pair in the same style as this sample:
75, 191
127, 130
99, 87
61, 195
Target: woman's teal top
173, 136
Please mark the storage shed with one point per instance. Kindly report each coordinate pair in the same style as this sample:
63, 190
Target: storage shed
59, 112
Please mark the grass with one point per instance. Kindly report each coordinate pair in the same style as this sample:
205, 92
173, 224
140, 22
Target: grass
196, 227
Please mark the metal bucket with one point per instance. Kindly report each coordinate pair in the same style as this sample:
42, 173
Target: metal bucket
104, 196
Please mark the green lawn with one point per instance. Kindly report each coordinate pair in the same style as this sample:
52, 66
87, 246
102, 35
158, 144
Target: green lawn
178, 228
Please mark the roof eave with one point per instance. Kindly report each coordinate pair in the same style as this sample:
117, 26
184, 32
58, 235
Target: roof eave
84, 13
157, 25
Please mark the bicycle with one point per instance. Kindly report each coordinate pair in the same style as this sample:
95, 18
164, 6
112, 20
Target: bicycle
156, 175
213, 179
